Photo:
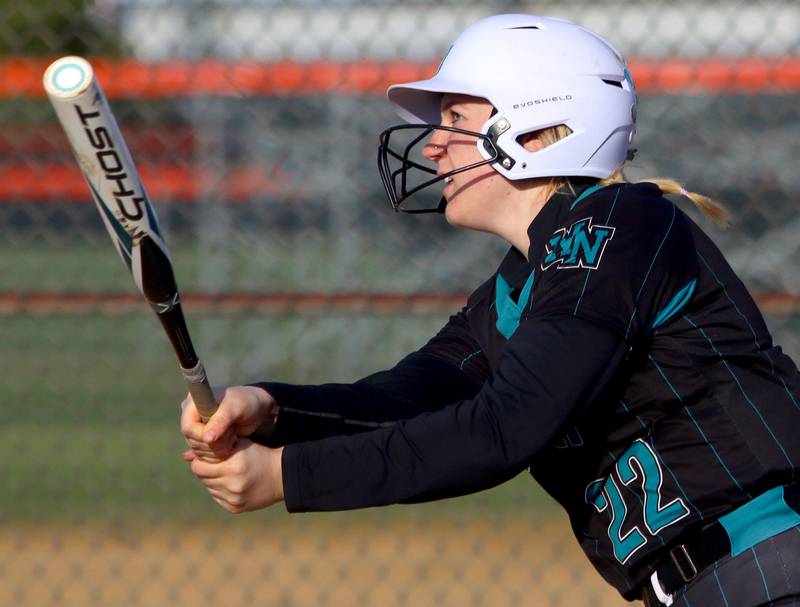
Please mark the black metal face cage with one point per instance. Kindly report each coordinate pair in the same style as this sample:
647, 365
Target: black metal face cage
395, 181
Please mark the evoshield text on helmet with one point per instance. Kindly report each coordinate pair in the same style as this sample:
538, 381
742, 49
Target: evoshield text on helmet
537, 72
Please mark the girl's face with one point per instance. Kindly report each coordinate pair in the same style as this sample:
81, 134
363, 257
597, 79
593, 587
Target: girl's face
475, 198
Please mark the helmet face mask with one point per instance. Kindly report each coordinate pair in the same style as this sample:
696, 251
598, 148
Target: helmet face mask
537, 73
404, 174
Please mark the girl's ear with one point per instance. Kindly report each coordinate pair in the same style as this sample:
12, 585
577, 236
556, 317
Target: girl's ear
531, 143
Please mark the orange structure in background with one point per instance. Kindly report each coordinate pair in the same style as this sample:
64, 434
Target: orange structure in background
130, 78
60, 181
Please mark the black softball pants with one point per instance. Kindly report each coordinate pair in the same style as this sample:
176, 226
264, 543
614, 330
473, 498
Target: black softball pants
765, 575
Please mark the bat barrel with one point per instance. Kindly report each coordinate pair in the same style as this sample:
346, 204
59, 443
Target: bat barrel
124, 206
105, 160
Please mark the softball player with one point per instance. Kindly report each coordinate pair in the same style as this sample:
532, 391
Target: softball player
614, 353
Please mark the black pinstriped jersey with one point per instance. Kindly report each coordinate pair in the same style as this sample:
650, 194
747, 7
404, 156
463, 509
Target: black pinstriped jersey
622, 362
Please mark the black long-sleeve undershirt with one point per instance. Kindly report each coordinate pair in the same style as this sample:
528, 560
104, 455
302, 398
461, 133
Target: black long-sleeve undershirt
419, 383
449, 368
550, 370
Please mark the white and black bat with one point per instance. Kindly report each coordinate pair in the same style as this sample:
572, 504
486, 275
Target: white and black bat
130, 219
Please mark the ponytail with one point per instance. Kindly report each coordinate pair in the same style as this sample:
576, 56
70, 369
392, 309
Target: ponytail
707, 205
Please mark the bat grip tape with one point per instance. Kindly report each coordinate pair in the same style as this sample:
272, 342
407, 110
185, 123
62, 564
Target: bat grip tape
200, 390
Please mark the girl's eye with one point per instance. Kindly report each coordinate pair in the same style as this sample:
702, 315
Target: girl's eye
455, 116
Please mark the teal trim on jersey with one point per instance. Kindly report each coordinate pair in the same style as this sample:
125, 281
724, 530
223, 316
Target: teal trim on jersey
677, 303
758, 520
650, 269
752, 330
588, 274
585, 194
697, 425
508, 310
755, 407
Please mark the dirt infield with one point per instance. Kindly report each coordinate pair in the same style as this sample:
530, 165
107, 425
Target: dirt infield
304, 563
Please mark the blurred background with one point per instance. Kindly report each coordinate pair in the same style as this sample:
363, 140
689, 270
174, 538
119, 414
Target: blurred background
254, 124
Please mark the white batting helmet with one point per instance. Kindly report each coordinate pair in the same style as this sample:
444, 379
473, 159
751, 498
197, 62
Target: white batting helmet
537, 72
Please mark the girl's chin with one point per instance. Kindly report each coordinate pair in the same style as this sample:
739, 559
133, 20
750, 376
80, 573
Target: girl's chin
451, 213
455, 215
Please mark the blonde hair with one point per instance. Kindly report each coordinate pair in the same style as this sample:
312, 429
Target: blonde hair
709, 207
712, 209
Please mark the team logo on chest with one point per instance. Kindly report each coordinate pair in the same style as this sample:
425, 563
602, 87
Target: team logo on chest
579, 246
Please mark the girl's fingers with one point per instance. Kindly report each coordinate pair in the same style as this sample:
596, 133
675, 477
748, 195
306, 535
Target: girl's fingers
205, 470
216, 450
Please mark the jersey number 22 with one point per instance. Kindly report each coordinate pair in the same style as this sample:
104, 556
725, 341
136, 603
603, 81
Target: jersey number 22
638, 463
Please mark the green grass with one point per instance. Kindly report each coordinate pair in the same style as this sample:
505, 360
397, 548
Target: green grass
90, 402
210, 261
133, 472
90, 410
237, 266
94, 471
94, 267
79, 368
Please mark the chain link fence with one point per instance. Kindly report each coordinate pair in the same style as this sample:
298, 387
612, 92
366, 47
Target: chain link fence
254, 124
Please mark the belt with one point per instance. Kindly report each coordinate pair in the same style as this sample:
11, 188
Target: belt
765, 516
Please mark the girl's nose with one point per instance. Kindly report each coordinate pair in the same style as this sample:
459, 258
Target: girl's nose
435, 148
